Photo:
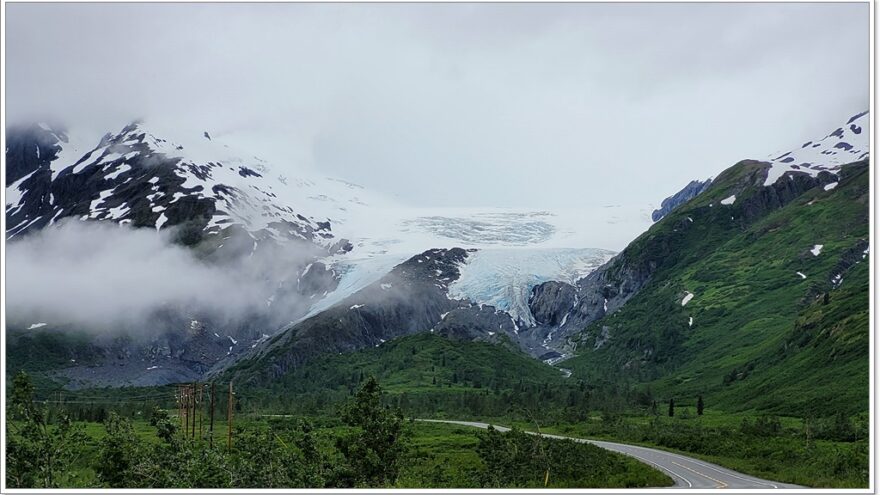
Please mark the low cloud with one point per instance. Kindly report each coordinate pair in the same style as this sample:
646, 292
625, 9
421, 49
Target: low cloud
103, 277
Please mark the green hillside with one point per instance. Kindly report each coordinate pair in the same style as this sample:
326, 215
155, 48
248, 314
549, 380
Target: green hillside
431, 375
763, 336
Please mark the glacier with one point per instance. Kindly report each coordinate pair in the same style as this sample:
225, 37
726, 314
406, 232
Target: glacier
504, 278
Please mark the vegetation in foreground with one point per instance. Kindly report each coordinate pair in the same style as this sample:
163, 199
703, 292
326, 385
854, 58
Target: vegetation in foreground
369, 444
429, 376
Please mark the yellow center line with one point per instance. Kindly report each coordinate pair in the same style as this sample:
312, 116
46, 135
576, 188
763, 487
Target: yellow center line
721, 484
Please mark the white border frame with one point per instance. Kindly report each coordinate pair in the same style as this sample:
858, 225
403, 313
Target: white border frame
873, 460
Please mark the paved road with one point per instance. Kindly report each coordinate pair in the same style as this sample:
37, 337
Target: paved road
686, 471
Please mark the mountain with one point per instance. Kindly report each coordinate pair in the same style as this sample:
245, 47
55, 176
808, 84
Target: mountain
229, 211
547, 317
306, 243
135, 177
471, 295
754, 293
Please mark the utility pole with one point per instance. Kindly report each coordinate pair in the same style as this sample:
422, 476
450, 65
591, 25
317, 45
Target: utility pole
194, 396
229, 417
211, 428
201, 418
185, 410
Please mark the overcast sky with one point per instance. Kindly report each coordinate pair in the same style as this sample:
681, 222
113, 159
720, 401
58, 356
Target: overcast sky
521, 105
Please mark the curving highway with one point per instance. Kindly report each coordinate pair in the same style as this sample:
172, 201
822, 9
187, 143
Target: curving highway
686, 471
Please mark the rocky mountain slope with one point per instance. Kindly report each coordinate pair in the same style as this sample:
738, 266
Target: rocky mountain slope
754, 293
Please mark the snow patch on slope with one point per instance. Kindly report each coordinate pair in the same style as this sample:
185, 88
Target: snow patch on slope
687, 298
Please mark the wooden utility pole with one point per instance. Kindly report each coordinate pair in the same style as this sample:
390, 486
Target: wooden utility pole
185, 411
194, 396
211, 427
229, 417
201, 419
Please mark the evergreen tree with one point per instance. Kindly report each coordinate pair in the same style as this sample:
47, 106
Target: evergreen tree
375, 449
699, 405
671, 407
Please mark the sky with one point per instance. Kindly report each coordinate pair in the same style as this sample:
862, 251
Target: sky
457, 105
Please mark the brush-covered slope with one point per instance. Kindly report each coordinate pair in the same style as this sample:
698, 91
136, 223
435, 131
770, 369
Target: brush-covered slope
754, 296
424, 373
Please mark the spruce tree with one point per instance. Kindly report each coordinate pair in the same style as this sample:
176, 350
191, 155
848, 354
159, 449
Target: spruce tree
699, 405
671, 407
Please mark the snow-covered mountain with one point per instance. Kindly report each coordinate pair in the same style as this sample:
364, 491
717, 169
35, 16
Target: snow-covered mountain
144, 178
846, 144
331, 239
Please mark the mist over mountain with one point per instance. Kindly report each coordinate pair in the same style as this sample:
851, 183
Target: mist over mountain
199, 254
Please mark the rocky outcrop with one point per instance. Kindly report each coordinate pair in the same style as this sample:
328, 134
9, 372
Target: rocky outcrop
690, 191
549, 301
476, 323
780, 193
30, 148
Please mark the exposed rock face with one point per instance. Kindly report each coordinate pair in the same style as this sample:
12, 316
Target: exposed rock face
780, 193
550, 300
689, 192
852, 256
30, 148
476, 323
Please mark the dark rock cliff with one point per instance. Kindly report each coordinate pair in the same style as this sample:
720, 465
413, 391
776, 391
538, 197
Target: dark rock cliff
690, 191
